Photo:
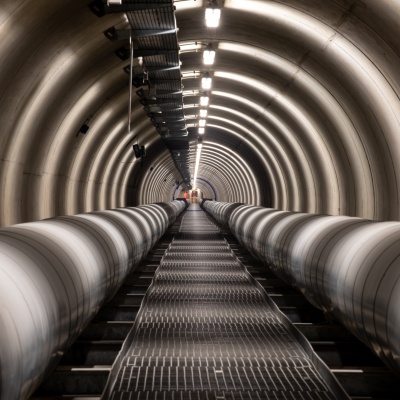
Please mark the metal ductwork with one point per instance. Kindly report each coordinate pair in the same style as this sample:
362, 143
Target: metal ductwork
55, 275
348, 267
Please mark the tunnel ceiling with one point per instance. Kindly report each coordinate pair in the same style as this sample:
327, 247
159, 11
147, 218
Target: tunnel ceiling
303, 115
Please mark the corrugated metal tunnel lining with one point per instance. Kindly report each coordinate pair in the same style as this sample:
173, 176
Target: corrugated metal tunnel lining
206, 331
306, 96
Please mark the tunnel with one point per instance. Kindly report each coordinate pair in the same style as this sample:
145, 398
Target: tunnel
256, 142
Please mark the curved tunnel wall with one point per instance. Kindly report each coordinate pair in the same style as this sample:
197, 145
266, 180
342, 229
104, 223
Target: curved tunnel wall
322, 85
54, 277
313, 92
348, 267
309, 101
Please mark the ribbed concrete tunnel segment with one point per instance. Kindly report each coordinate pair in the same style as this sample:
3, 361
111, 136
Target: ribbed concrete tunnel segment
303, 116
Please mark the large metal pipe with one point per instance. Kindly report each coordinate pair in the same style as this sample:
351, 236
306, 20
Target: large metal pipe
348, 267
56, 274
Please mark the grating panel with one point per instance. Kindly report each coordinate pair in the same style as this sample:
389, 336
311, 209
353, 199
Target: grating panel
206, 331
159, 49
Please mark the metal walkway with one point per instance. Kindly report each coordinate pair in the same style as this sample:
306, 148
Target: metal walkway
206, 330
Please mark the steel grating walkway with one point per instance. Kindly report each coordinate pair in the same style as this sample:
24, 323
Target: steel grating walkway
207, 331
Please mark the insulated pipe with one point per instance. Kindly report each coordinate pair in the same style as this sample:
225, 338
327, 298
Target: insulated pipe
348, 267
56, 274
221, 211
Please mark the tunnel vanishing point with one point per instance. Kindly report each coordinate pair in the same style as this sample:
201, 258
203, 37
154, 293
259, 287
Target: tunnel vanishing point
281, 116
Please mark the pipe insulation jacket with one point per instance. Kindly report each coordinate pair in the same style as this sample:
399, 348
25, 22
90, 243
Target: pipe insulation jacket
348, 267
56, 274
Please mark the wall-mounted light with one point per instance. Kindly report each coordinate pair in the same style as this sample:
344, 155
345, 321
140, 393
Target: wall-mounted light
136, 150
204, 100
206, 81
140, 151
201, 131
209, 55
212, 16
84, 128
202, 123
203, 113
114, 2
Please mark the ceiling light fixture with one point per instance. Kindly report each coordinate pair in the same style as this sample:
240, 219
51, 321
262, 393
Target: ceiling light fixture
209, 55
202, 122
204, 100
206, 81
203, 113
213, 15
201, 131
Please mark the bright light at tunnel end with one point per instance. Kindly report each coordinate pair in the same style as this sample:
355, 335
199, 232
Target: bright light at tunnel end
196, 168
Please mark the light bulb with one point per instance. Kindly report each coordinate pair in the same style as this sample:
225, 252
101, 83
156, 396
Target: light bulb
212, 17
206, 82
204, 100
208, 56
